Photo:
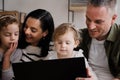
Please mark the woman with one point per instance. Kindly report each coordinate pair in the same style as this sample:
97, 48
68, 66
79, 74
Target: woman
37, 31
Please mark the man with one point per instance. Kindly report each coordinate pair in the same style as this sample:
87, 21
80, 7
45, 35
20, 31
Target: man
101, 40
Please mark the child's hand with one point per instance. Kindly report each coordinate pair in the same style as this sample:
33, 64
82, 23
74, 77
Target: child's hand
8, 53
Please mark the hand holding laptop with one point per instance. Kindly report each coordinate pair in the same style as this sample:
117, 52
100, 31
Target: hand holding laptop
89, 77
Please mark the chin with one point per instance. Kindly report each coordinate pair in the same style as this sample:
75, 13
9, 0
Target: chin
93, 35
27, 40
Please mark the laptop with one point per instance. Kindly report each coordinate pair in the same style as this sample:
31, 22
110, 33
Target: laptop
56, 69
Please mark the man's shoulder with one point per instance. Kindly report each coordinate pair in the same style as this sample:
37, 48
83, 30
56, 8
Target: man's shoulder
116, 26
84, 33
114, 33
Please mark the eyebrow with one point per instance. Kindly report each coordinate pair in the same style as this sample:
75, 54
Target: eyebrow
95, 20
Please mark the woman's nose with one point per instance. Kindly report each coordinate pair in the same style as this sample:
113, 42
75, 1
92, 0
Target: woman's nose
27, 31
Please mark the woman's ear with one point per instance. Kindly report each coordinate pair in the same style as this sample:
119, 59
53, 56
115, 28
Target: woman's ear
45, 33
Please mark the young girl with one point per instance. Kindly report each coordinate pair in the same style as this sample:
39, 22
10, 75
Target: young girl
66, 38
9, 35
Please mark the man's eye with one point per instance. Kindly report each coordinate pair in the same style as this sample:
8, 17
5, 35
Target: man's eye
88, 20
99, 22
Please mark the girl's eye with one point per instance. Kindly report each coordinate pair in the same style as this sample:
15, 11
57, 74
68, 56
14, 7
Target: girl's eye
16, 34
7, 34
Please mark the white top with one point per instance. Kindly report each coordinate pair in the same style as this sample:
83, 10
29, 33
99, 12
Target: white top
15, 57
53, 54
98, 60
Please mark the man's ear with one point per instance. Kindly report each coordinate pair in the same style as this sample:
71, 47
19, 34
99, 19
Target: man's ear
114, 17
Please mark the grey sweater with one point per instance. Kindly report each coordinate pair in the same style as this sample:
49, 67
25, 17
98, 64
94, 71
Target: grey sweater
19, 56
15, 57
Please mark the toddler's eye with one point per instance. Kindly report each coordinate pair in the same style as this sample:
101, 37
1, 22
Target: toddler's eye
68, 42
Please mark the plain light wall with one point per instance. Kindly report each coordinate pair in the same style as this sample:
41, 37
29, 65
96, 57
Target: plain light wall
58, 9
79, 17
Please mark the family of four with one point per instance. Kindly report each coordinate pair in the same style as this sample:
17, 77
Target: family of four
99, 43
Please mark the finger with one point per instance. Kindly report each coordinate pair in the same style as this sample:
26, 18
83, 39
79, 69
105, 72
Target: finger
14, 44
79, 78
88, 72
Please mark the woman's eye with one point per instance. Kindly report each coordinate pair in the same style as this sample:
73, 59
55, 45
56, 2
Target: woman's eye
59, 42
33, 30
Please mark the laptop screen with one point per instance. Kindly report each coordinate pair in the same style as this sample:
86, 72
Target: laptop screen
57, 69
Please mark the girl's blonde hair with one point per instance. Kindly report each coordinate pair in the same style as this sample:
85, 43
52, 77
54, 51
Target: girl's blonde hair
5, 20
64, 28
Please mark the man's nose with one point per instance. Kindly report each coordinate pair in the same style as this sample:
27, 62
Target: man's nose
91, 25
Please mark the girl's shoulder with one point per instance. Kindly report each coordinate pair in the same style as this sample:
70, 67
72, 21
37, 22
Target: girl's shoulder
51, 55
16, 55
78, 53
